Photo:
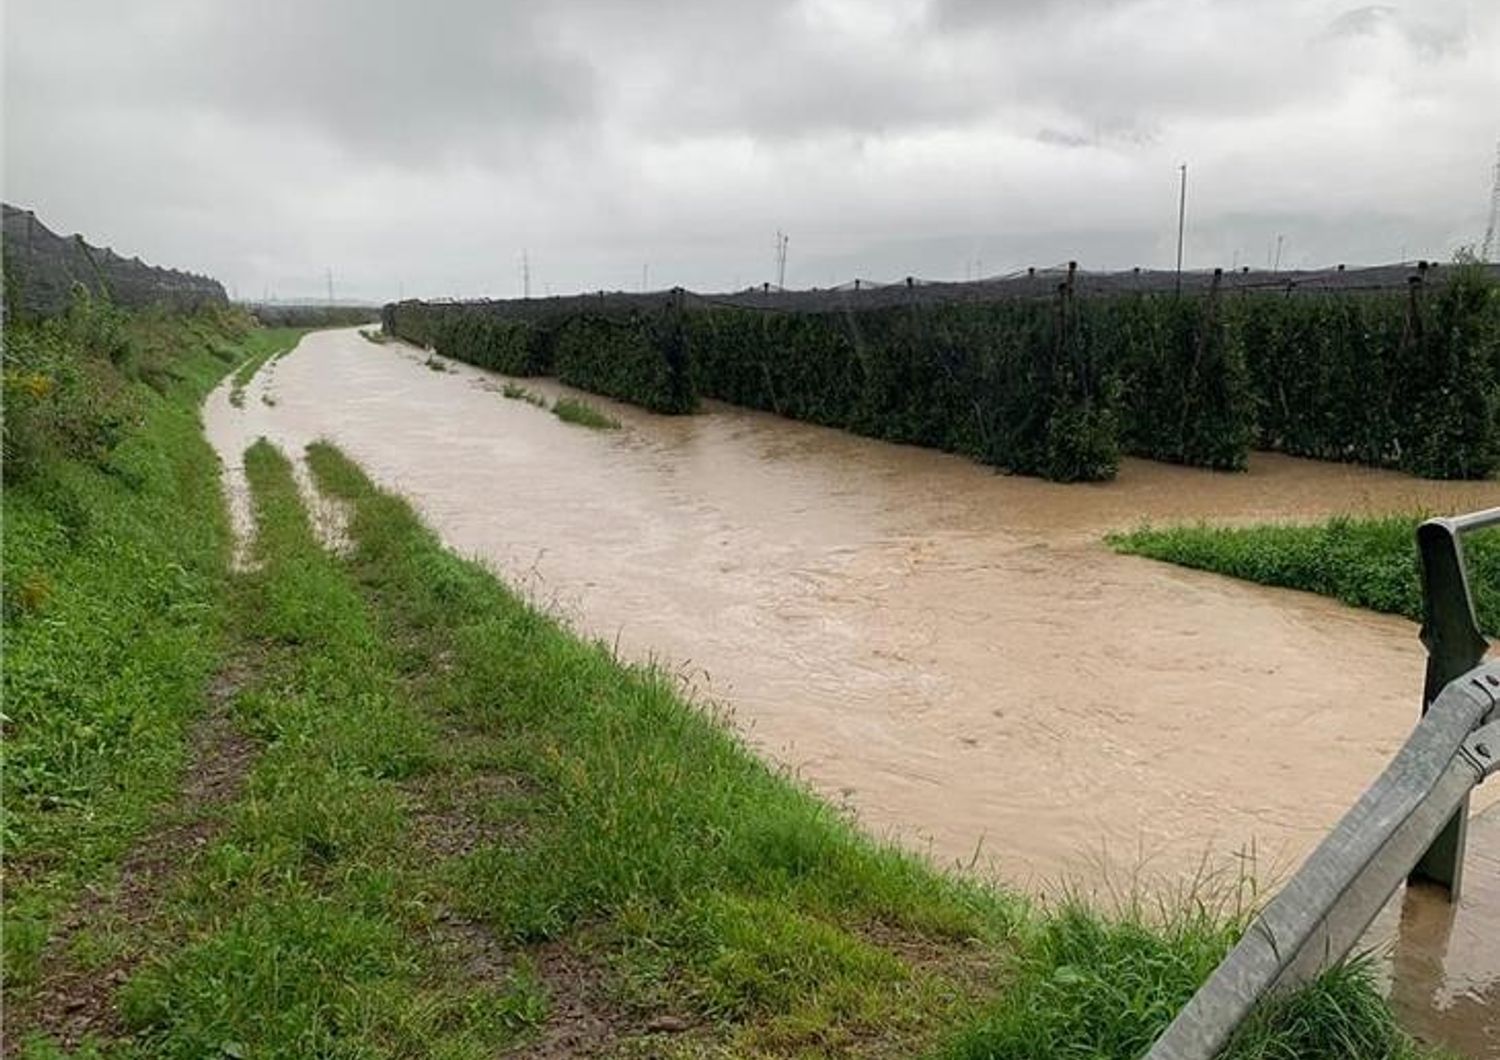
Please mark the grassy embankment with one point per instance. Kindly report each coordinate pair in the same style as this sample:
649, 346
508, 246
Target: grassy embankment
114, 564
377, 805
1365, 562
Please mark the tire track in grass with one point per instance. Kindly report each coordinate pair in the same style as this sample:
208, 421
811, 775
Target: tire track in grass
305, 925
75, 998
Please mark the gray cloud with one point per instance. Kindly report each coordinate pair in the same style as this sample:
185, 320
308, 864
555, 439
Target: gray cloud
420, 147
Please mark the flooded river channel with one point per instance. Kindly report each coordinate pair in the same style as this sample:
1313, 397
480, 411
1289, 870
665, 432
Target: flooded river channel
952, 653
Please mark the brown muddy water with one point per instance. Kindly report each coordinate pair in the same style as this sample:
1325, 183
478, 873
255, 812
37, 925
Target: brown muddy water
951, 653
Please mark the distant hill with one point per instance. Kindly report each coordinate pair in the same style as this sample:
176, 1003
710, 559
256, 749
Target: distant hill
42, 268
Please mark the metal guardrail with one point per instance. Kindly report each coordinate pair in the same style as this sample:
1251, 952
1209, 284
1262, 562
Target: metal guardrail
1410, 823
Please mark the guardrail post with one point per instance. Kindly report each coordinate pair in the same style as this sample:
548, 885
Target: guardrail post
1455, 646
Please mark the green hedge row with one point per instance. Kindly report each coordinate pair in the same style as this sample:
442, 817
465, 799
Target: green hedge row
1185, 389
1057, 387
1015, 384
640, 357
472, 334
1410, 381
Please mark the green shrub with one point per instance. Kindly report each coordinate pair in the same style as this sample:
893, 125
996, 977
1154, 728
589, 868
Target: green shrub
66, 385
513, 347
1406, 380
1021, 385
1186, 388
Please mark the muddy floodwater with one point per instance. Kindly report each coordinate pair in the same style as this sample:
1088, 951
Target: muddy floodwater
952, 653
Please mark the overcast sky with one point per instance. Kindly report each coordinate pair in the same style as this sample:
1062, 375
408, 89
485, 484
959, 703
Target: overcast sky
421, 146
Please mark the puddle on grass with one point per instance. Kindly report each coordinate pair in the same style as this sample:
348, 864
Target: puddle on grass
950, 652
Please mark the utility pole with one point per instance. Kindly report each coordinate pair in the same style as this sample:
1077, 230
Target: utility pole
525, 275
1181, 222
1491, 235
645, 266
781, 242
1277, 267
330, 286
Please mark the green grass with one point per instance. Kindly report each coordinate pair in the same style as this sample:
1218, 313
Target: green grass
265, 344
311, 921
379, 338
576, 410
1368, 562
517, 392
1083, 986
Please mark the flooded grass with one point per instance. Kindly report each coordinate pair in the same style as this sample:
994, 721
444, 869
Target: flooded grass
1368, 562
576, 410
517, 392
379, 338
264, 345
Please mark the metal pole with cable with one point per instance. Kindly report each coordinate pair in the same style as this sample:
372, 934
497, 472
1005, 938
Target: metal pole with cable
1181, 222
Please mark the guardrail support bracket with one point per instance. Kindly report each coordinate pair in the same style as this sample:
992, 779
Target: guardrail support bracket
1455, 646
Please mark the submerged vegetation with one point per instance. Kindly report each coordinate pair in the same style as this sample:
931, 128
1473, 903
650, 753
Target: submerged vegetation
517, 392
265, 344
1366, 562
576, 410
